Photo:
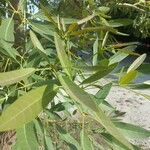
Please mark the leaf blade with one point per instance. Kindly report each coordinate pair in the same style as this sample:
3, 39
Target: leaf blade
23, 108
136, 63
7, 78
26, 137
84, 98
64, 60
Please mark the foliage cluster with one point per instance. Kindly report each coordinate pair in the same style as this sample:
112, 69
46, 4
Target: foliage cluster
48, 60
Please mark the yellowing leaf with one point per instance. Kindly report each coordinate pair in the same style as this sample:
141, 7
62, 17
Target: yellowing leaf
127, 78
85, 99
11, 77
137, 63
26, 108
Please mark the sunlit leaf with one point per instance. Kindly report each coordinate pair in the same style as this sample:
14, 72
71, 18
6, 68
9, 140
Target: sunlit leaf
85, 99
36, 42
118, 57
137, 63
26, 107
7, 30
132, 131
127, 78
86, 19
7, 78
104, 9
147, 82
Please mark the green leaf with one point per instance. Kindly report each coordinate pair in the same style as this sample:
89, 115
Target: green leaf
115, 144
44, 138
102, 64
132, 131
38, 45
104, 9
94, 29
112, 142
7, 30
26, 137
68, 138
120, 22
36, 42
143, 68
26, 107
137, 63
48, 141
11, 77
42, 28
100, 74
44, 16
85, 141
8, 50
85, 99
95, 52
86, 19
102, 93
64, 59
118, 57
127, 78
72, 28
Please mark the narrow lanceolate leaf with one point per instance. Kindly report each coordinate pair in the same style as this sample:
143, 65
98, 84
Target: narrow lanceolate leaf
42, 135
147, 82
7, 78
64, 60
86, 19
27, 107
137, 63
36, 42
85, 141
100, 74
102, 93
95, 52
7, 30
114, 144
64, 135
132, 131
127, 78
85, 99
118, 57
26, 137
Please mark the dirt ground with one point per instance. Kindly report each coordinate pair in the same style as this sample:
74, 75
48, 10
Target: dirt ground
137, 110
